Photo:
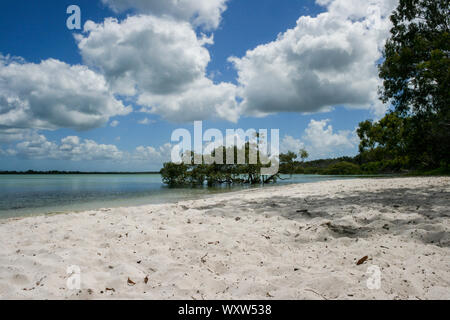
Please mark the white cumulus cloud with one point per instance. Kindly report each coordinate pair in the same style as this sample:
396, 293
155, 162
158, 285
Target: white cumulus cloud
321, 141
324, 61
70, 148
52, 95
152, 154
8, 135
205, 13
144, 53
289, 143
160, 61
202, 100
73, 148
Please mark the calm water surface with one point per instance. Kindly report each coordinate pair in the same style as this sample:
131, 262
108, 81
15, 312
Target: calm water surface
22, 195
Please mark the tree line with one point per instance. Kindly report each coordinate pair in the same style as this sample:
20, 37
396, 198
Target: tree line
243, 165
415, 133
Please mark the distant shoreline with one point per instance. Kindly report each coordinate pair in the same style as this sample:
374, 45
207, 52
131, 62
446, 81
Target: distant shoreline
70, 172
392, 175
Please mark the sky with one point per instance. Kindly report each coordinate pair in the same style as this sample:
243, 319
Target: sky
108, 96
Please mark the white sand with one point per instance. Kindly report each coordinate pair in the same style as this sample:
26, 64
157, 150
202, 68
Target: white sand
243, 245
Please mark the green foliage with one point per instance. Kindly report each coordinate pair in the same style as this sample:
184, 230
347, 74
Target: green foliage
213, 172
287, 162
416, 57
174, 174
318, 166
343, 168
303, 154
416, 74
442, 171
383, 140
385, 166
416, 79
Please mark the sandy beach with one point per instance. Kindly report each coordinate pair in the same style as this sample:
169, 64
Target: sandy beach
284, 242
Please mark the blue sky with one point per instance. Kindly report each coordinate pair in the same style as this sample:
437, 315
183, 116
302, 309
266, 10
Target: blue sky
109, 97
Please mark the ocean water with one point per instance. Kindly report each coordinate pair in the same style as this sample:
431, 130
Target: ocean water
22, 195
